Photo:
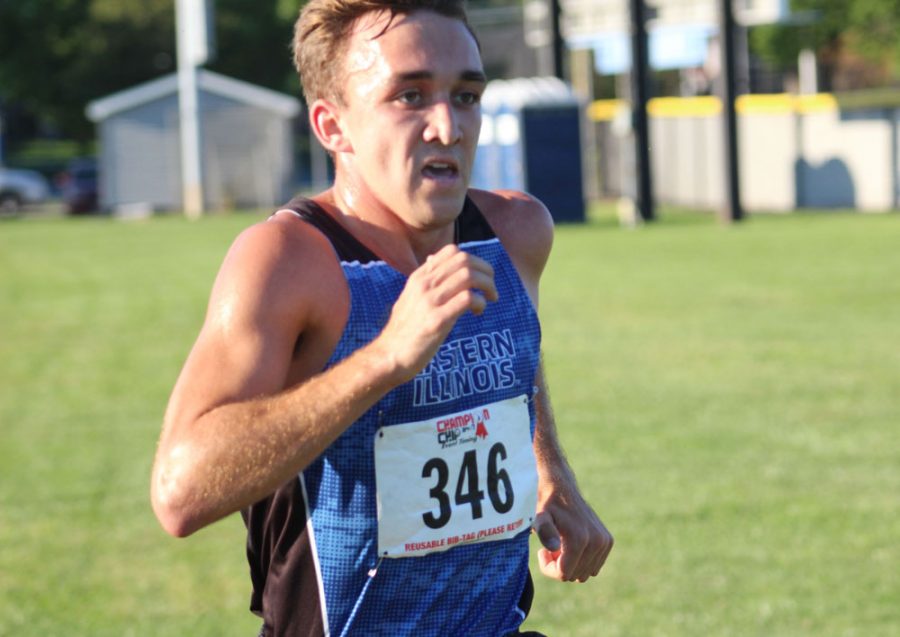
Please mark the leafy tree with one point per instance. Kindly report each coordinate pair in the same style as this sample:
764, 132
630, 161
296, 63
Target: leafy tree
834, 29
58, 55
253, 42
874, 34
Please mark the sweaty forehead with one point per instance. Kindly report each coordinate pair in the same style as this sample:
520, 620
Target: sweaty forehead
419, 41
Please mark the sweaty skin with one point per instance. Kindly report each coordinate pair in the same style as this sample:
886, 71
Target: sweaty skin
367, 62
253, 406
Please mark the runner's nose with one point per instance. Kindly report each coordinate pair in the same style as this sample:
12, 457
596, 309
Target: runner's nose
443, 124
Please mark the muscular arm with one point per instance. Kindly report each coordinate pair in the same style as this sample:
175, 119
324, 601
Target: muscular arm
239, 452
576, 544
234, 431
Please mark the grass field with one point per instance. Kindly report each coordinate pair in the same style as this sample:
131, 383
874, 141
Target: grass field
729, 397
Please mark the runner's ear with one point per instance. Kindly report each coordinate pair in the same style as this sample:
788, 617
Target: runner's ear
325, 122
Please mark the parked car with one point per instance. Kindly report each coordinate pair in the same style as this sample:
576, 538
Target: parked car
20, 188
79, 186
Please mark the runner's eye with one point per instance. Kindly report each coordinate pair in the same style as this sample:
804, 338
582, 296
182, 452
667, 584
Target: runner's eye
468, 98
410, 97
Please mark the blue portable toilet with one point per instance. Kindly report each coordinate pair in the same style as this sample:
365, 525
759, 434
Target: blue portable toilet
531, 140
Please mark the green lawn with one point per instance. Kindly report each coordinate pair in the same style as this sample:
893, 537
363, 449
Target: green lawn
729, 397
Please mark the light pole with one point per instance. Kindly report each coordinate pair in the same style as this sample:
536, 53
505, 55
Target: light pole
191, 28
732, 209
639, 98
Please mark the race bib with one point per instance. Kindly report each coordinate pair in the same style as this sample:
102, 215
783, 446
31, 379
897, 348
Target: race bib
464, 478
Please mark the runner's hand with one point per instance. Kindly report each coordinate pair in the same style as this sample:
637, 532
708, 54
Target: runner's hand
442, 289
575, 541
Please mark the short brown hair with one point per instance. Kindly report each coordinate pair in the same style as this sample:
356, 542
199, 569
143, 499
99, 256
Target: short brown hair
323, 29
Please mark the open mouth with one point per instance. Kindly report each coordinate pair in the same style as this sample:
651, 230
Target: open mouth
440, 170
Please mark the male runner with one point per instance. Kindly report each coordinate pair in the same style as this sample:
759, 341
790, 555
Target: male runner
366, 388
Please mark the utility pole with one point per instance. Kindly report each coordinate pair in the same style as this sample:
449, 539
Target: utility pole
543, 32
559, 46
731, 210
639, 98
192, 29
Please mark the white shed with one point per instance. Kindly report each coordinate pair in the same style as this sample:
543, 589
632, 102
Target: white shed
247, 141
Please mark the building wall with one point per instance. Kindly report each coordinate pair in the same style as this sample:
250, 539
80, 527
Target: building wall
139, 157
846, 157
768, 155
794, 152
682, 157
248, 157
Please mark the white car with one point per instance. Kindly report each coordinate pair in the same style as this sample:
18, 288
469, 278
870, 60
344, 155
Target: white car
19, 188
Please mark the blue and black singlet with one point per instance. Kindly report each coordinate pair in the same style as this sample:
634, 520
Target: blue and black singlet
313, 544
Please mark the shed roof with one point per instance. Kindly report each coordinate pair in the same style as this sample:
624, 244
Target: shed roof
216, 83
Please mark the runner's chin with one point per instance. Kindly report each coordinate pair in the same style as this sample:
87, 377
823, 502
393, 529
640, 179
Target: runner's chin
444, 195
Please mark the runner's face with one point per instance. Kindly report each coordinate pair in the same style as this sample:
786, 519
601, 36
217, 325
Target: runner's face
412, 115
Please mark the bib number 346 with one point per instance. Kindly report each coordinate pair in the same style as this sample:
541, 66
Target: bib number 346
468, 486
461, 478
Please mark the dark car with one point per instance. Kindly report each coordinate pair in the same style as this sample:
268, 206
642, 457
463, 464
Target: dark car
79, 186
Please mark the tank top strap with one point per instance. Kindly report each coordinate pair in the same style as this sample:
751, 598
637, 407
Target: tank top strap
347, 247
471, 226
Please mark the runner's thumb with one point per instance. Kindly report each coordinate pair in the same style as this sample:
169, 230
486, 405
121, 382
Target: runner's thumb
547, 532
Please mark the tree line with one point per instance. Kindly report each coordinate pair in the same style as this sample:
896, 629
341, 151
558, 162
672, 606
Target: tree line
58, 55
856, 41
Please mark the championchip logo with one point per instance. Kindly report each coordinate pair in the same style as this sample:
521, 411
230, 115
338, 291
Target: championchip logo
461, 429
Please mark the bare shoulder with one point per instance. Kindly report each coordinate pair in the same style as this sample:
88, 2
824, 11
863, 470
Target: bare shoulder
280, 270
522, 223
279, 281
